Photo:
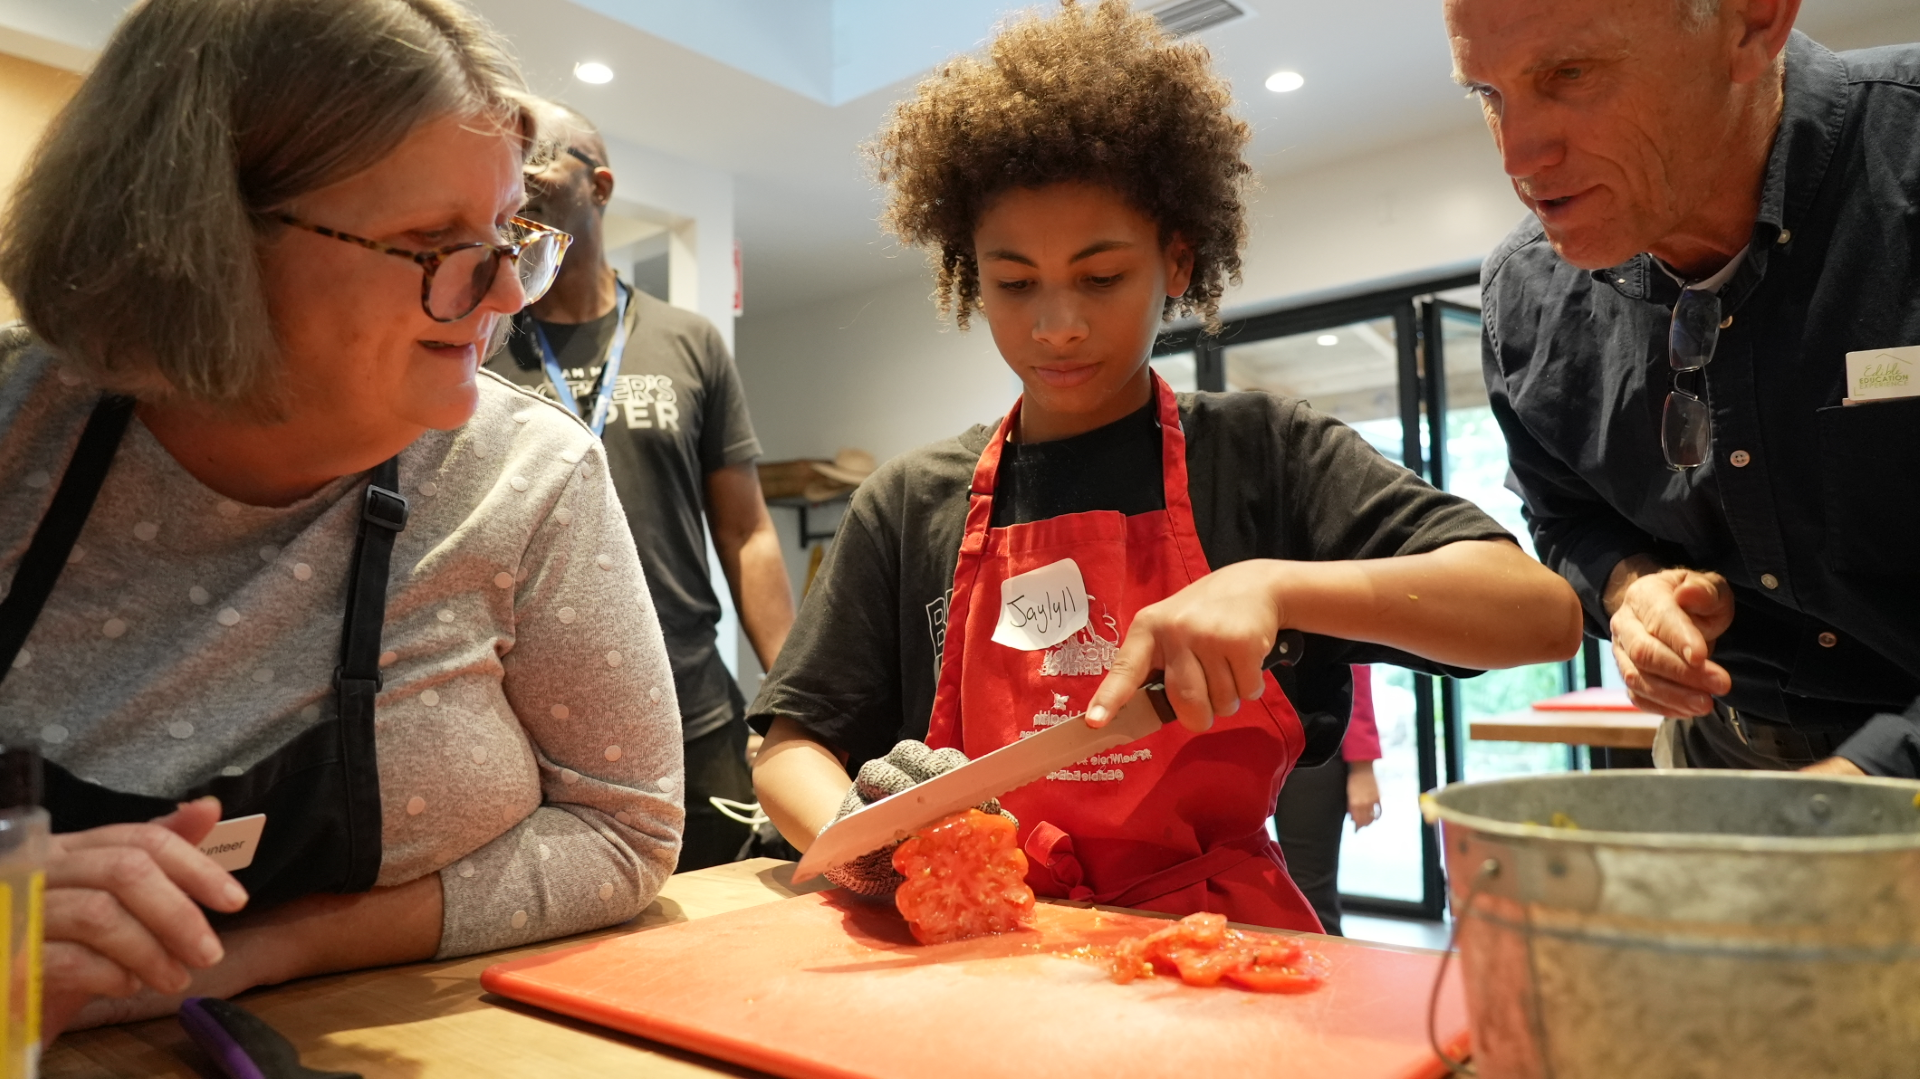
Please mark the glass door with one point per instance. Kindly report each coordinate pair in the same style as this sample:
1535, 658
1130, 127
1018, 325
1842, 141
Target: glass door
1401, 365
1472, 462
1352, 372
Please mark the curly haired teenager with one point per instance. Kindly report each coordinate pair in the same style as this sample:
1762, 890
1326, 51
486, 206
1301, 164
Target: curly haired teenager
1077, 185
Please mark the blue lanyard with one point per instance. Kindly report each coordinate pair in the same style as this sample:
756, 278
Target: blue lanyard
603, 386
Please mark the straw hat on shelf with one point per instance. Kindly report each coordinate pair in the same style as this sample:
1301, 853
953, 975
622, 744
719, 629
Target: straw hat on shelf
839, 476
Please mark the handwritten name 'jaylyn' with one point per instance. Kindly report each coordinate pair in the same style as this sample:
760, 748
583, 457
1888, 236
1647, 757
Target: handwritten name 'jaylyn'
1049, 610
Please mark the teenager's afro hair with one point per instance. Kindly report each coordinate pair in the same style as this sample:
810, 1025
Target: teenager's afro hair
1093, 93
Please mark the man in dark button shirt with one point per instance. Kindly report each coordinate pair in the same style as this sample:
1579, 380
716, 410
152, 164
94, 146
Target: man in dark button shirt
658, 385
1723, 212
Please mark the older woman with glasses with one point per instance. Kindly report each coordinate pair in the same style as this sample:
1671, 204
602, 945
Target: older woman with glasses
277, 551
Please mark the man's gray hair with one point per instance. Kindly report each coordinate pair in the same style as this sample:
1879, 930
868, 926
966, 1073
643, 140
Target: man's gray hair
131, 244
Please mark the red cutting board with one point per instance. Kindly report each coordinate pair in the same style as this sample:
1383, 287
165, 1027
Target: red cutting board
826, 987
1594, 699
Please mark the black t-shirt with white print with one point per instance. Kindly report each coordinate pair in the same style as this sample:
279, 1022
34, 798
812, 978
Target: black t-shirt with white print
1268, 477
678, 413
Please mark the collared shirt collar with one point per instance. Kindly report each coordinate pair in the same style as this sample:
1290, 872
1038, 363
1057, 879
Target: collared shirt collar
1811, 115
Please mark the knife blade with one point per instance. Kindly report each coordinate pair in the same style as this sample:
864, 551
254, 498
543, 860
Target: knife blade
1011, 766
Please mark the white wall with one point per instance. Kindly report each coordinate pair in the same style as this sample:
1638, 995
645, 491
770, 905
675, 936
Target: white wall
874, 370
695, 204
877, 370
1420, 205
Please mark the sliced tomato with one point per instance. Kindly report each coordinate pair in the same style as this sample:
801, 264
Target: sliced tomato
965, 877
1278, 970
1203, 951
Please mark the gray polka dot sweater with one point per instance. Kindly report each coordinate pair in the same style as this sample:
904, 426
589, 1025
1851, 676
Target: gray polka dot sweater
527, 733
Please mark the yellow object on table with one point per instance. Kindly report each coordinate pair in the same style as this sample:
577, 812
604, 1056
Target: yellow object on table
428, 1020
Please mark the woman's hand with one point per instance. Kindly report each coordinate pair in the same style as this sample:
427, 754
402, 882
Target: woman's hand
316, 934
1363, 794
123, 910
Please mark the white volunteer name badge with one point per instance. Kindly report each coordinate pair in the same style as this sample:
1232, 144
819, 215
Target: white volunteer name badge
1042, 607
1879, 374
232, 843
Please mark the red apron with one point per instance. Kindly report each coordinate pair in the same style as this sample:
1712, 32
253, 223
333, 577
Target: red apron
1175, 822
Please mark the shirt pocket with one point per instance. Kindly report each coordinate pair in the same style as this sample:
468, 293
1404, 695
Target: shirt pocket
1870, 475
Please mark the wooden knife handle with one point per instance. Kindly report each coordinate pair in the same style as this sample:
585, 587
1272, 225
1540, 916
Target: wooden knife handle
1287, 649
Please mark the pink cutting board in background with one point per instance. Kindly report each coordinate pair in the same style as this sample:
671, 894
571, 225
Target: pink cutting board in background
823, 987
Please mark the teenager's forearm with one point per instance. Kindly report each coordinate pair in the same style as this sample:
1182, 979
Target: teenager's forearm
799, 782
1479, 603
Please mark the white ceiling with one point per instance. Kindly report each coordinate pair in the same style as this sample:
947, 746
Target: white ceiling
1376, 71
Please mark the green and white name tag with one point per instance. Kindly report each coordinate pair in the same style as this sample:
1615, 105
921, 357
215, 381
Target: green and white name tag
1878, 374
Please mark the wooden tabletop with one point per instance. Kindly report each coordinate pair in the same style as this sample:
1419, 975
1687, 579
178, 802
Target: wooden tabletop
432, 1019
1613, 730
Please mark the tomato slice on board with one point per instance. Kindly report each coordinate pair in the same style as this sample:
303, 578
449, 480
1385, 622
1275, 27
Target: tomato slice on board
966, 877
1203, 951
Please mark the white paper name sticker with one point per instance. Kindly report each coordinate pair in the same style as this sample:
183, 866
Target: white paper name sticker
1880, 373
1042, 607
232, 843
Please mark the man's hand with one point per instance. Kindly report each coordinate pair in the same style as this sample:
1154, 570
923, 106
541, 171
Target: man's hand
1664, 624
121, 911
1210, 637
1835, 766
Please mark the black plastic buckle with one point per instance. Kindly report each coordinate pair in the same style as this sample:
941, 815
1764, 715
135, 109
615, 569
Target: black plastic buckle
379, 679
388, 509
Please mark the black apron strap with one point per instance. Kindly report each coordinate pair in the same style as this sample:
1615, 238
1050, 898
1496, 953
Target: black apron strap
301, 851
53, 540
357, 681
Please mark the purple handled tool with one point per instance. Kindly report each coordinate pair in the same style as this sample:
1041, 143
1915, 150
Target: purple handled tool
242, 1045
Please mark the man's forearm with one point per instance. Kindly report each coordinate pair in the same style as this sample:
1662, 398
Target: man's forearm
763, 595
749, 550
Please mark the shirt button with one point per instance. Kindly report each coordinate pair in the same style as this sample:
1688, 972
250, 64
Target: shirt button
1741, 458
1726, 322
1769, 580
1828, 640
1786, 235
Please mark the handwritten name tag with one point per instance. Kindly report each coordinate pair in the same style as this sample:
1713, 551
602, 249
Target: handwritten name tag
1881, 373
1042, 607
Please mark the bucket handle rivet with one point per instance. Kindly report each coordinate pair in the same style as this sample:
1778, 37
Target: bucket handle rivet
1557, 868
1819, 805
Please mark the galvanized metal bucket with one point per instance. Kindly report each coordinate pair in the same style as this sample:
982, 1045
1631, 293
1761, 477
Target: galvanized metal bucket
1707, 925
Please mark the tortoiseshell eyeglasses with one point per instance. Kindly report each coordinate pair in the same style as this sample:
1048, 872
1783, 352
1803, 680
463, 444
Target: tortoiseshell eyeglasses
457, 277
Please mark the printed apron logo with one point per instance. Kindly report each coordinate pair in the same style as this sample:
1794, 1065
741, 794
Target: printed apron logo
1086, 652
1042, 607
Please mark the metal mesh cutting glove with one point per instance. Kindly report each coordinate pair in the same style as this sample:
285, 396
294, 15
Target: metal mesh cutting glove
871, 876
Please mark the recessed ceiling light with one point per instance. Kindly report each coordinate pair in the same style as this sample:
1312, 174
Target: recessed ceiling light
1326, 339
1285, 82
595, 72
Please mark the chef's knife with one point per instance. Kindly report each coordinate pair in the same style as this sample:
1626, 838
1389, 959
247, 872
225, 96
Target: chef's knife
991, 775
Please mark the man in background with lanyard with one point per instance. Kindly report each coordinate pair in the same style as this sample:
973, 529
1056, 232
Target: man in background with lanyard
658, 387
